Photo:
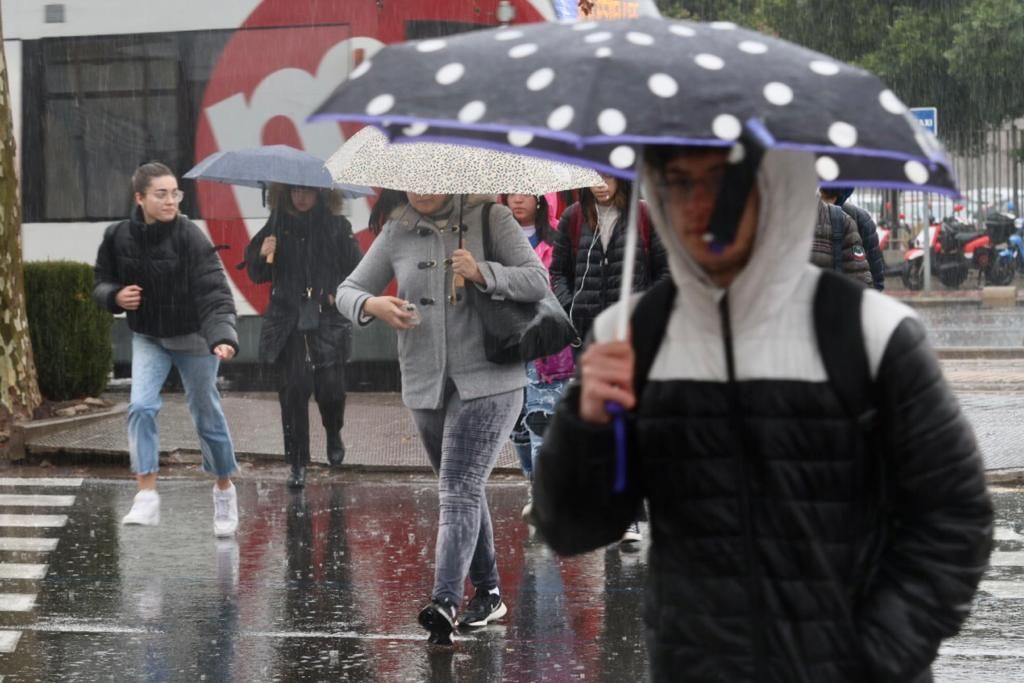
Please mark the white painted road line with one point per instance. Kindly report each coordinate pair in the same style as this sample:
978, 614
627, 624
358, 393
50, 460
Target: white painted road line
18, 570
36, 500
56, 482
28, 544
33, 520
9, 640
1007, 559
1003, 590
17, 602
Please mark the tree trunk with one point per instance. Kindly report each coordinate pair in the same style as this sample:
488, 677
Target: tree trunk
19, 390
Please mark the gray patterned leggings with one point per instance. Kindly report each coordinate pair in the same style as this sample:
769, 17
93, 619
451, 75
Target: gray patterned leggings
463, 439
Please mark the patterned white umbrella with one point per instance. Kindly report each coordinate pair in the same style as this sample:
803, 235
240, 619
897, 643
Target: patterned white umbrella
367, 158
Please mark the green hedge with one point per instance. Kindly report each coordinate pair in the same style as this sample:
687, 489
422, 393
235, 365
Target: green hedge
70, 334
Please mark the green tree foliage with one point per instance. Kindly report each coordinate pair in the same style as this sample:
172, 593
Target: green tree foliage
69, 332
965, 57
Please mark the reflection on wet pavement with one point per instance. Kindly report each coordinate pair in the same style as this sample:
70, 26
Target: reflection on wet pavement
321, 584
325, 584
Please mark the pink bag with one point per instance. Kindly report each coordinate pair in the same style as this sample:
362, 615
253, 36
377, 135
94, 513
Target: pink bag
556, 367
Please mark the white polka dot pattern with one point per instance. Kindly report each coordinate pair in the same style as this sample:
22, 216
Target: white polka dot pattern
827, 168
709, 62
472, 112
663, 85
524, 50
842, 134
449, 73
540, 79
611, 122
778, 94
596, 90
561, 117
726, 127
430, 45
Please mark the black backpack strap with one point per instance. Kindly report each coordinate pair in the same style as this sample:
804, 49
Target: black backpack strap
649, 322
838, 220
840, 337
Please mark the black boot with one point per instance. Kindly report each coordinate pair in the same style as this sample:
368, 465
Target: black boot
335, 448
297, 477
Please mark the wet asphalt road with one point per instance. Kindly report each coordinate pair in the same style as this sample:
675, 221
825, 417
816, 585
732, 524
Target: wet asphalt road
325, 585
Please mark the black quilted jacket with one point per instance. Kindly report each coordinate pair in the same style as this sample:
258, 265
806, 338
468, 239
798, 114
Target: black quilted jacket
586, 290
184, 288
776, 556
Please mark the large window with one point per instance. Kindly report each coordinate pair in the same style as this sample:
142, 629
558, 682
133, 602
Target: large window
99, 106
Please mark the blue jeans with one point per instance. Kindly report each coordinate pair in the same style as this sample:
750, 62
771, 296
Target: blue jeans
463, 440
539, 403
150, 365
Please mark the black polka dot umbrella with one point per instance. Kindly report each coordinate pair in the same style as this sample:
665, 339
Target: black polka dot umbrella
592, 92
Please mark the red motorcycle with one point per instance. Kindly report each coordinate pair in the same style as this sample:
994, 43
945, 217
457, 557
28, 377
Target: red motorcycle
956, 248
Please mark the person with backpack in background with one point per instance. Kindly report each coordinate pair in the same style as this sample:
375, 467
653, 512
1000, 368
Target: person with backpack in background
837, 245
546, 377
588, 258
865, 226
160, 269
818, 503
589, 252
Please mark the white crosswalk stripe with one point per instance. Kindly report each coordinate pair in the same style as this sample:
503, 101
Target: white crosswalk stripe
9, 640
51, 482
22, 570
33, 520
13, 571
26, 544
17, 602
36, 500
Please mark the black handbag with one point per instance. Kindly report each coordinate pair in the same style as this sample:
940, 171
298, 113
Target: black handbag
518, 331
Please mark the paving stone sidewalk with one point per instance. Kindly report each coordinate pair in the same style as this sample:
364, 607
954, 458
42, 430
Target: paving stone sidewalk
379, 433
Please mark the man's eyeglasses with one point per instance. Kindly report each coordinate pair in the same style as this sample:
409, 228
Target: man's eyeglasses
680, 189
164, 195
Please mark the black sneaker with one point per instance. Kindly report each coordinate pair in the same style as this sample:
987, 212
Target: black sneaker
438, 617
484, 608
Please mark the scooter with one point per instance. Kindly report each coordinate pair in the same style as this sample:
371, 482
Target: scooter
956, 248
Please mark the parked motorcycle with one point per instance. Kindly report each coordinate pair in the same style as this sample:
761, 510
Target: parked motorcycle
957, 248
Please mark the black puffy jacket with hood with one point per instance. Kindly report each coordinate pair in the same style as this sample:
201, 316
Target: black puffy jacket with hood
775, 554
184, 288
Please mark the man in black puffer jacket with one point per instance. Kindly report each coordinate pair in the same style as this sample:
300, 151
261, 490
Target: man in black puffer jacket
789, 542
162, 270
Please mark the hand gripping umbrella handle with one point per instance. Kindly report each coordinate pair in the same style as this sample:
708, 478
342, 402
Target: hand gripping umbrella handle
617, 412
270, 258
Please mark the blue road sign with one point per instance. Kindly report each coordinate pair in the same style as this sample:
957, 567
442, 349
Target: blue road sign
928, 117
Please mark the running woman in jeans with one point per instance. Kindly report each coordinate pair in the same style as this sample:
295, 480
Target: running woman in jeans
464, 406
160, 269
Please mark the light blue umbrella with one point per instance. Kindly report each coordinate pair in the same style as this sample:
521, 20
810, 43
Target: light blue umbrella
260, 166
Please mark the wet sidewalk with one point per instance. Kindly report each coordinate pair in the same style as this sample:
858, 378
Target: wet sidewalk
379, 433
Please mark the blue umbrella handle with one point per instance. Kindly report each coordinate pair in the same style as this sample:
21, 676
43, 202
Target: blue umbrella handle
619, 424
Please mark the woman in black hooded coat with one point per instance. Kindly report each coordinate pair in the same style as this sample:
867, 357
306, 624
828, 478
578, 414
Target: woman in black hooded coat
306, 250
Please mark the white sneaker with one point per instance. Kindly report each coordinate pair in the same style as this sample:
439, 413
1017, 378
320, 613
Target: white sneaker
225, 511
632, 534
145, 510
